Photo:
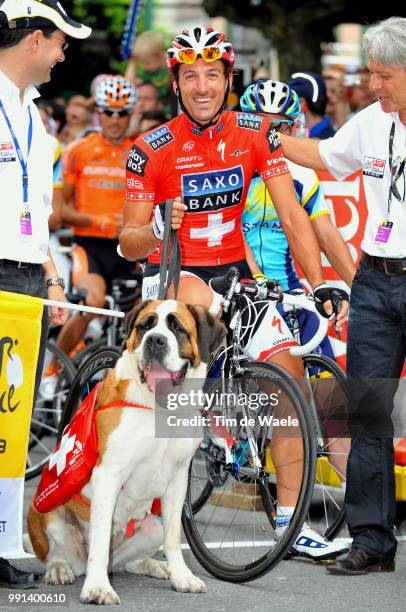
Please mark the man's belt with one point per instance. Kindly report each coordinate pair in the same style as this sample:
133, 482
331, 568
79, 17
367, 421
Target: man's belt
18, 264
390, 266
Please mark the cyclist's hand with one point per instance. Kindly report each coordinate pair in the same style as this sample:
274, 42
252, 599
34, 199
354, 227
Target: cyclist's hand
158, 221
332, 303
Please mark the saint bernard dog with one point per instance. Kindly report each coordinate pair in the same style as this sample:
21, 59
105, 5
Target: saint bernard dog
164, 339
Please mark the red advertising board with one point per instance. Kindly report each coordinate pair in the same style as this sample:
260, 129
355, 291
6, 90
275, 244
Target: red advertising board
346, 200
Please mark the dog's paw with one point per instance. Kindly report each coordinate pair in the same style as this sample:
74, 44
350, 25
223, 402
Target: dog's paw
98, 595
59, 572
188, 584
149, 567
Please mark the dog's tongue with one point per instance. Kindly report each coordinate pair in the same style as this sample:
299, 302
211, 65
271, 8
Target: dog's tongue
155, 374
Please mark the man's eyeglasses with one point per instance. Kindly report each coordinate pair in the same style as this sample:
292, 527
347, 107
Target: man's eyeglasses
189, 56
114, 113
64, 43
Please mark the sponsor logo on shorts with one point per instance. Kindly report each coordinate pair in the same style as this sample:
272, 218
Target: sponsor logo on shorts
249, 121
137, 161
212, 191
159, 138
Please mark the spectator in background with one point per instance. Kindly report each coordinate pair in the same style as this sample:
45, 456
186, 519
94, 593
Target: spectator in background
147, 64
312, 92
147, 100
151, 119
338, 106
55, 218
361, 96
78, 118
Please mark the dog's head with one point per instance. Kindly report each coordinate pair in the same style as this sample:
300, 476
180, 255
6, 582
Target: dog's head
171, 340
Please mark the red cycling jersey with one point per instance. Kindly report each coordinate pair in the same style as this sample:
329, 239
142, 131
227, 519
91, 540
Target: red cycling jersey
211, 171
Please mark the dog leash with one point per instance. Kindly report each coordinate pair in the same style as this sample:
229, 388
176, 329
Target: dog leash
169, 269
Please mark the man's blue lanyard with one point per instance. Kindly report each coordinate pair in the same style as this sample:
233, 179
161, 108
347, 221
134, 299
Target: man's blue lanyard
19, 152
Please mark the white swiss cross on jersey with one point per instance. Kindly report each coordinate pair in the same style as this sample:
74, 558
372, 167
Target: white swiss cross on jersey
214, 231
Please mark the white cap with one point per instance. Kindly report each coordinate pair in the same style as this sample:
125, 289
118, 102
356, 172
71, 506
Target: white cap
36, 14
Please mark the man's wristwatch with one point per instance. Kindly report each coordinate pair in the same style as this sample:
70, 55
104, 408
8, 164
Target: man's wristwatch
56, 281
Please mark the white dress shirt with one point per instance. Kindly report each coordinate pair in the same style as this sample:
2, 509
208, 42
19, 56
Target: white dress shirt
363, 143
12, 244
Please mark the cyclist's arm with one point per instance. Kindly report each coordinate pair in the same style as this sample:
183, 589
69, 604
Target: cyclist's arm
137, 240
297, 227
70, 216
302, 151
334, 247
254, 267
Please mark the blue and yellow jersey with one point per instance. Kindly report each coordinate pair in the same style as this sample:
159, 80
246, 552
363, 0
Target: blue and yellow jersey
262, 227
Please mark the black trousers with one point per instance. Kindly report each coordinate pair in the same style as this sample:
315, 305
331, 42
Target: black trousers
376, 352
28, 281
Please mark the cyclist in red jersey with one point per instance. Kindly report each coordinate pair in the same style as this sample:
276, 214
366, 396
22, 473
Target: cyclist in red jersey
205, 159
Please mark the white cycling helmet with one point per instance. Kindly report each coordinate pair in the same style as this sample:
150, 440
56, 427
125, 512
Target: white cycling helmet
198, 42
116, 92
271, 97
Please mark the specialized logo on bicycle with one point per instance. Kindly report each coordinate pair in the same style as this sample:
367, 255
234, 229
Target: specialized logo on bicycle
214, 190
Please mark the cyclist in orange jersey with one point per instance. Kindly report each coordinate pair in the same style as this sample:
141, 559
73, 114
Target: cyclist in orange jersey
94, 182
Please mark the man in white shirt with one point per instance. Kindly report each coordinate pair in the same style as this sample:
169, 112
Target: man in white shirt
32, 40
374, 140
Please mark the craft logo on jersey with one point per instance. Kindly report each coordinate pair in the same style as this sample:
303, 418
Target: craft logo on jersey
137, 161
249, 121
159, 138
211, 191
373, 167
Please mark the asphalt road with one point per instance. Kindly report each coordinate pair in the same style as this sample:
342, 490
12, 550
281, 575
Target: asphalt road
292, 584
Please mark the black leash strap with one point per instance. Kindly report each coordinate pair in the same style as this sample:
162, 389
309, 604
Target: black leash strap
169, 271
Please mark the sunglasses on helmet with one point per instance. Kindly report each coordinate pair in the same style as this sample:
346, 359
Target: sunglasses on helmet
113, 113
189, 56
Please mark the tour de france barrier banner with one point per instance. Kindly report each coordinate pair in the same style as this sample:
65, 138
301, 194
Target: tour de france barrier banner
20, 330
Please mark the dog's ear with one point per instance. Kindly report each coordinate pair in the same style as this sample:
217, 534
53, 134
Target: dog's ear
210, 331
130, 319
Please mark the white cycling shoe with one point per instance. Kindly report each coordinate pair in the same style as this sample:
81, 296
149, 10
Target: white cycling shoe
314, 546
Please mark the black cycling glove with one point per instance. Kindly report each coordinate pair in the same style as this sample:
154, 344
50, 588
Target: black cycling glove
325, 292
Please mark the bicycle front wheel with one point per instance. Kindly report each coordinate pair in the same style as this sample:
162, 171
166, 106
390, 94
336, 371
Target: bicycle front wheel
233, 535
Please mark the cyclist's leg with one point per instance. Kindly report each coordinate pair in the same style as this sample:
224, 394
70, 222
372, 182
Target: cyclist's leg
330, 402
90, 274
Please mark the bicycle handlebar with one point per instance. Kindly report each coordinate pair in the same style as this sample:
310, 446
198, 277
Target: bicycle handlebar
229, 285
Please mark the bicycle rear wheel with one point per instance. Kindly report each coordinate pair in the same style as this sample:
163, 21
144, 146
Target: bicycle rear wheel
92, 371
48, 408
327, 381
233, 535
